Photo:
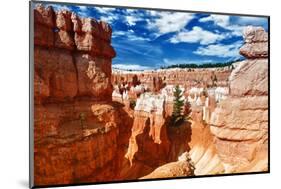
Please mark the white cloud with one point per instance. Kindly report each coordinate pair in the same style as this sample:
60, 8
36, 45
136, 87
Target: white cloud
130, 67
109, 18
220, 50
131, 20
167, 22
83, 11
130, 35
118, 33
104, 10
220, 20
107, 14
224, 22
83, 8
130, 11
197, 35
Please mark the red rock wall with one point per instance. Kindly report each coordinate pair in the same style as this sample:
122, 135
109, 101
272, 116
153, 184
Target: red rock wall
72, 56
77, 128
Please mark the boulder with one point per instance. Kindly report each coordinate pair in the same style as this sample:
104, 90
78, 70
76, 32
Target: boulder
256, 43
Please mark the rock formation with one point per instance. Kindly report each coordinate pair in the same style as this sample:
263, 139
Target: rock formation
180, 168
188, 78
78, 130
149, 142
240, 123
256, 43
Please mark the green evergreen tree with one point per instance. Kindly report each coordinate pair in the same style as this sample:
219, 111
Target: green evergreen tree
177, 115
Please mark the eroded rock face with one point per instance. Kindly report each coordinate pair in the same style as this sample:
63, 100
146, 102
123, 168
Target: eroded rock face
78, 130
56, 73
148, 142
84, 142
256, 43
64, 73
188, 78
180, 168
240, 122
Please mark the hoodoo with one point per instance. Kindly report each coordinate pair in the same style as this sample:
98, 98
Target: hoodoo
240, 122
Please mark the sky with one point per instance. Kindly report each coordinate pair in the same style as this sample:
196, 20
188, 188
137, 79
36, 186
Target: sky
148, 39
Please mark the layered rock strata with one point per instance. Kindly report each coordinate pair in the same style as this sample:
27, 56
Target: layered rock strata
155, 80
240, 123
78, 130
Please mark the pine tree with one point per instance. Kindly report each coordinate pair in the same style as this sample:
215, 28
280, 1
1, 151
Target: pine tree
177, 116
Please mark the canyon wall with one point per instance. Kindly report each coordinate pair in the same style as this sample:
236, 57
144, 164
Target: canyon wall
188, 78
240, 122
154, 143
77, 128
148, 144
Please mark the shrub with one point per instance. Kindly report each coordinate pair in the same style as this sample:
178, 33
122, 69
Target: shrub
177, 116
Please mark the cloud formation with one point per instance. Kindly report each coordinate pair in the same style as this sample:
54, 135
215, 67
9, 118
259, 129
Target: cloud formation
167, 22
197, 35
221, 50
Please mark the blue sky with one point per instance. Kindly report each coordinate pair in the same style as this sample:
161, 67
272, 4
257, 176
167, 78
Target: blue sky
148, 39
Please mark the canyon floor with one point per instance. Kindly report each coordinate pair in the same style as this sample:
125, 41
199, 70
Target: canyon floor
93, 123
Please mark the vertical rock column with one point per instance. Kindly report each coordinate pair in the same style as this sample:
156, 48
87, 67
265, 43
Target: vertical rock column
76, 127
240, 123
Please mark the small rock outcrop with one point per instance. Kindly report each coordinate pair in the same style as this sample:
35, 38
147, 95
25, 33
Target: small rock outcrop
240, 122
181, 168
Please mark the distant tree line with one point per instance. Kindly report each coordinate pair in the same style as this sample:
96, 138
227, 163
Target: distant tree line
207, 65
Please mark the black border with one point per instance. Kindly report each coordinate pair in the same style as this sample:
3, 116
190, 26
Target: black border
31, 105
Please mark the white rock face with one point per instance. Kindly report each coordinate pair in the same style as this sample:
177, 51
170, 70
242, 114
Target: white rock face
150, 103
220, 93
139, 89
117, 96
